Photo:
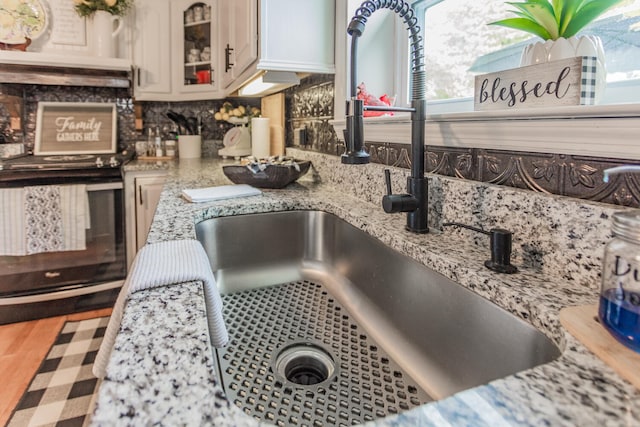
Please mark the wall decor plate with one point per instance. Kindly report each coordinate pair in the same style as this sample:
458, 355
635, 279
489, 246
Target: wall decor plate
22, 19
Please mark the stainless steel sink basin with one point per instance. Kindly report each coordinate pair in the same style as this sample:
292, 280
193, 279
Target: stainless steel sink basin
444, 336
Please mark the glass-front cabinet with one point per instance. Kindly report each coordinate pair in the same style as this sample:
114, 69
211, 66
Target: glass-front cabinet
195, 46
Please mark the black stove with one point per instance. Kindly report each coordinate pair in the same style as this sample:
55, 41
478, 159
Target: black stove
62, 168
52, 283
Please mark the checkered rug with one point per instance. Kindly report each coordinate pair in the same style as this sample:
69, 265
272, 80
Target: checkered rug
62, 391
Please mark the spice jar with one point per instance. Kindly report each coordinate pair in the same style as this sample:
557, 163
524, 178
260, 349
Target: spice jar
170, 147
619, 310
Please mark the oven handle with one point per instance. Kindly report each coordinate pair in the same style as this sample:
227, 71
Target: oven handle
66, 293
105, 186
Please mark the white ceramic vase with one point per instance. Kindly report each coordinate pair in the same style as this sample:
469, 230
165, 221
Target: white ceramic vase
106, 28
562, 48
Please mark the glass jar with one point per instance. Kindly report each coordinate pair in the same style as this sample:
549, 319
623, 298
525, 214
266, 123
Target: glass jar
170, 148
619, 310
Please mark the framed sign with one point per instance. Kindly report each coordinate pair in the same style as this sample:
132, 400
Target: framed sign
76, 128
69, 28
571, 81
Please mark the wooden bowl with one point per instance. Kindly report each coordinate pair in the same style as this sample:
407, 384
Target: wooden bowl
273, 176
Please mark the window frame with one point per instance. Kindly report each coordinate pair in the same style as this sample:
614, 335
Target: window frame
607, 131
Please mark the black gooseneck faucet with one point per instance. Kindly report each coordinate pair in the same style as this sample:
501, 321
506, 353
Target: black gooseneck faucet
415, 201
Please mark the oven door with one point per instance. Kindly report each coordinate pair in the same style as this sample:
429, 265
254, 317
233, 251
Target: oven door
53, 283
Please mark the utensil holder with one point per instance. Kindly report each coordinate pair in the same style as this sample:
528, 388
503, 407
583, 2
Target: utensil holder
189, 146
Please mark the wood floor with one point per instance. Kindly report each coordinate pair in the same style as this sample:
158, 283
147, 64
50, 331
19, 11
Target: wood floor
23, 346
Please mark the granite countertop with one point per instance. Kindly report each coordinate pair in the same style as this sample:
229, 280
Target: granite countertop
161, 371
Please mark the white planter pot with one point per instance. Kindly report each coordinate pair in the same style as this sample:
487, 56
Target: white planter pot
562, 48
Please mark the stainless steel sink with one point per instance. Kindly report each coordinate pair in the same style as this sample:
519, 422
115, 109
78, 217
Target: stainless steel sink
444, 336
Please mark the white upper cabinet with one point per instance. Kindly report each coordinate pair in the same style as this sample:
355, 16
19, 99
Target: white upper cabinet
289, 35
184, 50
297, 35
196, 47
152, 54
176, 50
239, 37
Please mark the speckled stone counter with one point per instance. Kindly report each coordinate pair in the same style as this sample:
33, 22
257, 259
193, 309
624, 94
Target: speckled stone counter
161, 371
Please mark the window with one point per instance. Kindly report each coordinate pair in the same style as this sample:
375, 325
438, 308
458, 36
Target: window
459, 45
379, 53
600, 131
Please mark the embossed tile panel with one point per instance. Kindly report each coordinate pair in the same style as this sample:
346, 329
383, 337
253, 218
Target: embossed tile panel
573, 176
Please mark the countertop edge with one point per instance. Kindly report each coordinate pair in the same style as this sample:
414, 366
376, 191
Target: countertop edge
588, 390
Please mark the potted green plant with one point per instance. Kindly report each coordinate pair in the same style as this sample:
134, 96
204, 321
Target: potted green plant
114, 7
557, 22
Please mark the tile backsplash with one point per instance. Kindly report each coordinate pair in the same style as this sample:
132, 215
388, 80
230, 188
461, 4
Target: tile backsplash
310, 107
154, 114
32, 94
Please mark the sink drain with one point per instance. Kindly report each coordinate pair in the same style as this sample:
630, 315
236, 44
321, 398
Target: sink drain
296, 358
305, 364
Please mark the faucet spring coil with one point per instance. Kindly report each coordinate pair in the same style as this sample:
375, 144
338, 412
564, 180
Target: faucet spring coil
418, 84
406, 12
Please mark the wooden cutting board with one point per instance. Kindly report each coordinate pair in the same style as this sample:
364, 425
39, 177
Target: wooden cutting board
582, 323
272, 106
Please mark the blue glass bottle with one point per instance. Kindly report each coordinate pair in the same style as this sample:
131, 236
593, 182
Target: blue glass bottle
619, 309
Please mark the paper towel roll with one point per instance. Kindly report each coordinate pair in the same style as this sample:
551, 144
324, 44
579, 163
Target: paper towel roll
260, 146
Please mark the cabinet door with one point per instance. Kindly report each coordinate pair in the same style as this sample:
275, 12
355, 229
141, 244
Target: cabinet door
152, 55
297, 35
148, 191
227, 11
195, 41
245, 33
239, 37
